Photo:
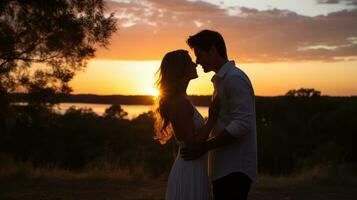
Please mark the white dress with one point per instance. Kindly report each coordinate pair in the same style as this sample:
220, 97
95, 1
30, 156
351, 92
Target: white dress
188, 180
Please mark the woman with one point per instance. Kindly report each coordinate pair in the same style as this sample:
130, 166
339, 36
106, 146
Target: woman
188, 180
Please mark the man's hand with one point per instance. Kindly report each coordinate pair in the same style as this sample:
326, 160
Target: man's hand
192, 153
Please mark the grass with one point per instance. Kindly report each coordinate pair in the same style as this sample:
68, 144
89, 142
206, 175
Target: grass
325, 182
107, 181
26, 170
320, 174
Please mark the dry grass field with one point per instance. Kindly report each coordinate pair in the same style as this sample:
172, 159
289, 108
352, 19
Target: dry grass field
26, 183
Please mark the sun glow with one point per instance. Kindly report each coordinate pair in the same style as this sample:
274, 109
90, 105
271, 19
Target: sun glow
153, 92
108, 77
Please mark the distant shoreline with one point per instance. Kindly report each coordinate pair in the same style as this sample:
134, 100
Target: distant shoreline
198, 100
109, 99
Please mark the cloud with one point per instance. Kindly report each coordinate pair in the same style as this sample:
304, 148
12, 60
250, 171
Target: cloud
148, 29
328, 1
347, 2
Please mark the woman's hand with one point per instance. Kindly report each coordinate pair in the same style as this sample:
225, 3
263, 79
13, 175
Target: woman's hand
193, 152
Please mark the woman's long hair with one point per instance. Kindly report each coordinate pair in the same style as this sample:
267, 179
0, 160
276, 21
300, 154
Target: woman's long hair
172, 70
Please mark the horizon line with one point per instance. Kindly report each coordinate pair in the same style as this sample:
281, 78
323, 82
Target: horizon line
148, 95
324, 95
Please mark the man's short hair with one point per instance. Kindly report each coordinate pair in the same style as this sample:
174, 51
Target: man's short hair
206, 39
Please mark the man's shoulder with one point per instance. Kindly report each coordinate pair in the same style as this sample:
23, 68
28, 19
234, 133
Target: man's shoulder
236, 70
235, 77
236, 73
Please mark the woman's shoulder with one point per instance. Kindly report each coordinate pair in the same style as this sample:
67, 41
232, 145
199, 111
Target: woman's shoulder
179, 100
180, 103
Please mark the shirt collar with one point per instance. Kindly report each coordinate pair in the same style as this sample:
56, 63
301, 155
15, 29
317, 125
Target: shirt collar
224, 69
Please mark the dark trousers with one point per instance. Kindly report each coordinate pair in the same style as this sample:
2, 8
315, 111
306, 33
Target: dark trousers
233, 186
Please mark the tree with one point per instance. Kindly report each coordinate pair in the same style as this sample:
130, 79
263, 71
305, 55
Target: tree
303, 92
45, 42
115, 111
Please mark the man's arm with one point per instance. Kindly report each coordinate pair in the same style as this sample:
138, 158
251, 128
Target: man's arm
241, 101
223, 139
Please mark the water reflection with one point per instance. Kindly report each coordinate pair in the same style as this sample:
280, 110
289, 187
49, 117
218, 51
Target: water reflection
132, 110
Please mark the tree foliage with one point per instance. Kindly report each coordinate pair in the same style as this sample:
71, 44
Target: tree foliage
115, 111
303, 92
45, 42
292, 134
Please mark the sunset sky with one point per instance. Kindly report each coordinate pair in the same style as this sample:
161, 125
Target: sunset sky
280, 44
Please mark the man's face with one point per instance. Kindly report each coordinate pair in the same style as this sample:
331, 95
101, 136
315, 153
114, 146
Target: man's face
204, 59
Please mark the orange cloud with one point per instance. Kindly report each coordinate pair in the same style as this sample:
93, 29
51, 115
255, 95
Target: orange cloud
148, 29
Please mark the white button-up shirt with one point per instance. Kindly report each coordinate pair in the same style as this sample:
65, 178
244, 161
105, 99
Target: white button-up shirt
237, 116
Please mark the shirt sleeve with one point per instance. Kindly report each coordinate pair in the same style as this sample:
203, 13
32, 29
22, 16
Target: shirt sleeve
241, 100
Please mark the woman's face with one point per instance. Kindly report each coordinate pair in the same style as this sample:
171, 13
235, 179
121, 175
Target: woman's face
191, 72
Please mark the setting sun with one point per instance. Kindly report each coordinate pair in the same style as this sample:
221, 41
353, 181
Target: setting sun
153, 92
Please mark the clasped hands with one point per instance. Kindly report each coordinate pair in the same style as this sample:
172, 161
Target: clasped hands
200, 147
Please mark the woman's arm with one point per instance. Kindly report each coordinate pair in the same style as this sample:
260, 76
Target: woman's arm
181, 118
203, 133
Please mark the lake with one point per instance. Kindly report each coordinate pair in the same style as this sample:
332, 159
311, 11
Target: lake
132, 110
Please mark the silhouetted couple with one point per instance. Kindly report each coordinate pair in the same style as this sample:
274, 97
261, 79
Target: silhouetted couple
217, 156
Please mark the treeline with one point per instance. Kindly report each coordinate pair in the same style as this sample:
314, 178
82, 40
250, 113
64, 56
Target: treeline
298, 132
293, 133
102, 99
80, 138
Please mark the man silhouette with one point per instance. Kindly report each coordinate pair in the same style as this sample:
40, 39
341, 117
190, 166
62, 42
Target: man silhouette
232, 146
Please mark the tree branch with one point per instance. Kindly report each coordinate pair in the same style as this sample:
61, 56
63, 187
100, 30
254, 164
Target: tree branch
2, 65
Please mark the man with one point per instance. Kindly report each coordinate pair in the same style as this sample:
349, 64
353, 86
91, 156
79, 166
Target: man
232, 146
